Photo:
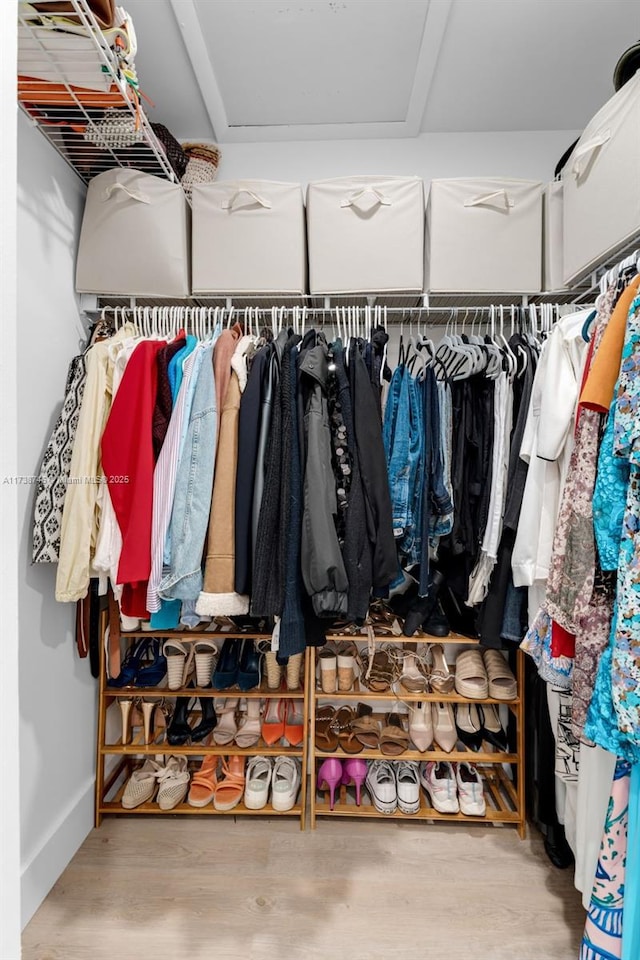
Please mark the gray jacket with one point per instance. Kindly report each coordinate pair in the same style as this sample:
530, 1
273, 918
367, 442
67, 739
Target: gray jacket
323, 570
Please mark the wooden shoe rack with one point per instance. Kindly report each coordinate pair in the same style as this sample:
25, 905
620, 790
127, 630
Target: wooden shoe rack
110, 783
504, 796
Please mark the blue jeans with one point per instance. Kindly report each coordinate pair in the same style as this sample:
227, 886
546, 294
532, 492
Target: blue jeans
402, 437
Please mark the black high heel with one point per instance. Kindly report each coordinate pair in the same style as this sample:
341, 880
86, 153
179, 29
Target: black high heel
469, 725
208, 720
179, 733
492, 730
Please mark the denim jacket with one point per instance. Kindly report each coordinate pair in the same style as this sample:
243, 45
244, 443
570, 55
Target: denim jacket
403, 439
192, 498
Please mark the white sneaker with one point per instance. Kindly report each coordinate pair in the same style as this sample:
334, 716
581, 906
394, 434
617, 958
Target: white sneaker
439, 783
381, 784
408, 786
470, 793
257, 783
285, 782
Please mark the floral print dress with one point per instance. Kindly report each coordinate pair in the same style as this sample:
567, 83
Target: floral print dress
625, 667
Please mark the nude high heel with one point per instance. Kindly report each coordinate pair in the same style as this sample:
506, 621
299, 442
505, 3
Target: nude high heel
148, 709
125, 712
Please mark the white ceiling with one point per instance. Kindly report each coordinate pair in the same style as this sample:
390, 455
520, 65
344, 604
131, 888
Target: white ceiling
266, 70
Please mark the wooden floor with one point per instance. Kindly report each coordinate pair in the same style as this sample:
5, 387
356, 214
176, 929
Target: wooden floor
186, 889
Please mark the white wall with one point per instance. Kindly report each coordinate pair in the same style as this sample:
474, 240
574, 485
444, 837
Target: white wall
9, 794
57, 692
526, 155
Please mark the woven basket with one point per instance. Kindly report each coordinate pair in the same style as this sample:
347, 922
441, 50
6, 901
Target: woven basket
202, 166
173, 149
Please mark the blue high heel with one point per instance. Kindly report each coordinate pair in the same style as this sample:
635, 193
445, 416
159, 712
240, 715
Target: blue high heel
130, 666
153, 674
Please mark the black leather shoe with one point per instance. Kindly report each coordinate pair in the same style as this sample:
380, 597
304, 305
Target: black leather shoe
249, 666
557, 848
436, 624
208, 720
421, 608
226, 673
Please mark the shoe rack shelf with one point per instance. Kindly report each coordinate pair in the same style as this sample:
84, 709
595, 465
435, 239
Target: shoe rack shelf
110, 785
504, 798
499, 794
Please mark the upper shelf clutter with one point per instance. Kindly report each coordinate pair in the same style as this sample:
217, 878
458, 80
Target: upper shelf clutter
358, 236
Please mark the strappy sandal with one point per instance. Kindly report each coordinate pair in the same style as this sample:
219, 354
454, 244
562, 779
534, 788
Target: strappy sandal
203, 783
471, 676
413, 675
326, 730
365, 728
394, 739
347, 739
383, 620
502, 683
440, 677
229, 792
227, 728
379, 673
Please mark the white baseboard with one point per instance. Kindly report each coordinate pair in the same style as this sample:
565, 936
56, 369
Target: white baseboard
45, 866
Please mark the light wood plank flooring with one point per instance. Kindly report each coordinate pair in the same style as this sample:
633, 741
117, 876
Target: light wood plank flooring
184, 889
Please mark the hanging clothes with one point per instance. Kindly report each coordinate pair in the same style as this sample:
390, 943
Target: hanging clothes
79, 530
55, 468
128, 462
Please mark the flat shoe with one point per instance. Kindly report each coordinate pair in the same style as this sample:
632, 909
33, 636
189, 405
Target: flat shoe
502, 683
347, 739
471, 679
394, 739
365, 728
326, 730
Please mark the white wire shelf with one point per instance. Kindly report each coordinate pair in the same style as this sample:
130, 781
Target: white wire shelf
73, 85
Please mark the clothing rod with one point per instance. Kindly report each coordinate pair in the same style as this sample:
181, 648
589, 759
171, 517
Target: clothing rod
406, 313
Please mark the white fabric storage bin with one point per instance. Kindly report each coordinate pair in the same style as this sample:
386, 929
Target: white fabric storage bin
134, 239
248, 236
366, 234
602, 184
553, 271
484, 235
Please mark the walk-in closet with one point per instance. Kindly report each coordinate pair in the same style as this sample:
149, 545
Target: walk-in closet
320, 492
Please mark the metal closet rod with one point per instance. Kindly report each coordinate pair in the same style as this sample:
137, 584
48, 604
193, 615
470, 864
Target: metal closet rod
402, 313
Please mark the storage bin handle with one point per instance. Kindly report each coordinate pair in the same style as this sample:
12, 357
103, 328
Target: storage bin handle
354, 199
585, 150
487, 197
108, 193
230, 203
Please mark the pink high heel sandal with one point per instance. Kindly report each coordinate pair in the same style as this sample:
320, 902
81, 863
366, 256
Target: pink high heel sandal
330, 777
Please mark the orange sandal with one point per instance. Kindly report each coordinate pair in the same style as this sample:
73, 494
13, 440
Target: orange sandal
229, 792
204, 782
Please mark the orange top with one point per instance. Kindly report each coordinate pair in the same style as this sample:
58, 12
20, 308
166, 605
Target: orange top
597, 392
